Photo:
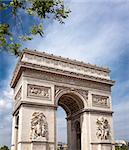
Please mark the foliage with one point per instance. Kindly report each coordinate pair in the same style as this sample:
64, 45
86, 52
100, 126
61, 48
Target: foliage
123, 147
10, 39
4, 148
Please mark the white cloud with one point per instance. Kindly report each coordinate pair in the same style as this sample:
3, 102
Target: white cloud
93, 33
6, 99
5, 116
121, 119
2, 104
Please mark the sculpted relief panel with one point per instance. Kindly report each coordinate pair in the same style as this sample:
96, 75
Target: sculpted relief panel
38, 91
39, 126
103, 128
100, 101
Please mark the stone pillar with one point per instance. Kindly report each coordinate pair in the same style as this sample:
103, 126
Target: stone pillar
84, 130
73, 138
99, 147
69, 136
13, 134
40, 139
16, 137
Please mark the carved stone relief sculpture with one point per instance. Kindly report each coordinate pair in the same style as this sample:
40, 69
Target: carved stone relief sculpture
38, 91
68, 80
103, 128
65, 65
100, 101
83, 93
39, 126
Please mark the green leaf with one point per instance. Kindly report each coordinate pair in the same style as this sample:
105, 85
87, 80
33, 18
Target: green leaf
15, 48
11, 39
37, 29
25, 38
4, 29
2, 5
39, 9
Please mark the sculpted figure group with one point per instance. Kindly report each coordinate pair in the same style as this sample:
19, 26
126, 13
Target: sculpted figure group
103, 128
39, 126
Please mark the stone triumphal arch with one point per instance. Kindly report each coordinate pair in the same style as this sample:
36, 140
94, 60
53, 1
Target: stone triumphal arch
41, 83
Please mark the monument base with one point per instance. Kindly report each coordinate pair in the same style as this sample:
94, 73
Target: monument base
37, 145
103, 146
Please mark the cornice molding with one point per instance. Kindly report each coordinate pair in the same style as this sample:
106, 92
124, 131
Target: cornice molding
56, 64
23, 66
91, 111
62, 59
105, 143
32, 104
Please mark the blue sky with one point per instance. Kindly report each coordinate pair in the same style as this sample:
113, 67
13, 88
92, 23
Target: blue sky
97, 32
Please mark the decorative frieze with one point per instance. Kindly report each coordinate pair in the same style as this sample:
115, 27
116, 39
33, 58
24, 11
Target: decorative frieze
100, 101
103, 129
39, 126
67, 80
38, 91
73, 66
18, 95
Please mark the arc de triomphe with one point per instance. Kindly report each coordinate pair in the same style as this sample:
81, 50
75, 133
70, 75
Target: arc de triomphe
41, 83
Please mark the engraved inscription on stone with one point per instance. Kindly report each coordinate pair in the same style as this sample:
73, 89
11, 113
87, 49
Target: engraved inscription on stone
39, 126
38, 91
100, 101
18, 95
103, 128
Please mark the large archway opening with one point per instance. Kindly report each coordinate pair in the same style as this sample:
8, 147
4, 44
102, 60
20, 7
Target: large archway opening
72, 104
61, 127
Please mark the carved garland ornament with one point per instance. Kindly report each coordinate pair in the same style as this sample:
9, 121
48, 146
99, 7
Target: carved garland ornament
103, 128
38, 91
39, 126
